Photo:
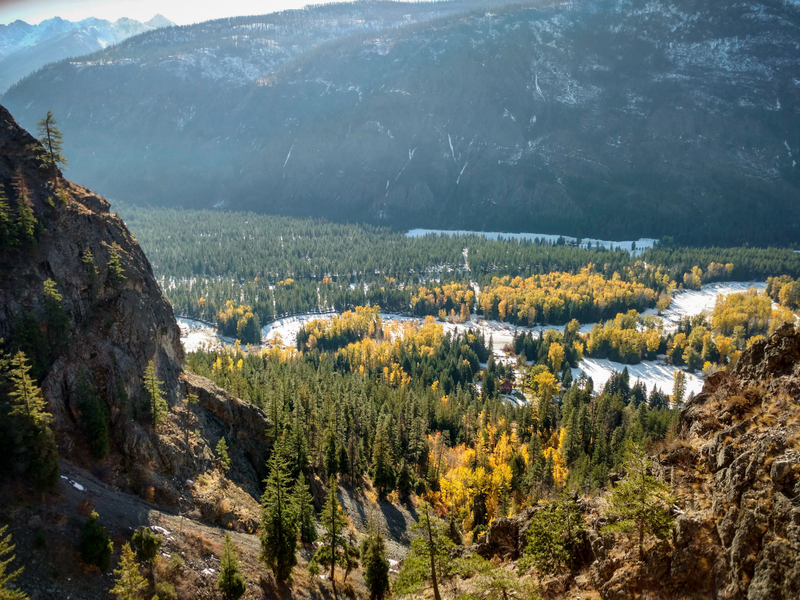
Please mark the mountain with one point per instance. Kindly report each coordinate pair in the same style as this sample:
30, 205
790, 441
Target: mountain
26, 48
611, 119
112, 329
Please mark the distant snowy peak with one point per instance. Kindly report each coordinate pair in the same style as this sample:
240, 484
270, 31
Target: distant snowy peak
20, 35
159, 21
25, 48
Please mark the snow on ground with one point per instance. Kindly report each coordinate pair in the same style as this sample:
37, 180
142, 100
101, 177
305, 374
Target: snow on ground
195, 334
650, 373
288, 327
695, 302
641, 244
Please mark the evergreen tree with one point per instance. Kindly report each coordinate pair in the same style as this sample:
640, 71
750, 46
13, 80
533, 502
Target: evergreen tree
129, 582
304, 504
32, 424
147, 545
91, 270
51, 140
279, 519
552, 536
331, 456
640, 503
429, 556
56, 319
8, 230
376, 566
26, 220
383, 473
222, 455
94, 416
116, 271
96, 547
335, 545
155, 397
230, 581
658, 399
678, 387
26, 397
7, 578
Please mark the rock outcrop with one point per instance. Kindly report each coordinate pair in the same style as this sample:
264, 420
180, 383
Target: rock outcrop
735, 471
742, 537
114, 327
247, 431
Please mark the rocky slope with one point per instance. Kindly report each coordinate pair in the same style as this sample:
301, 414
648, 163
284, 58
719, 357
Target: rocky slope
613, 119
735, 471
114, 329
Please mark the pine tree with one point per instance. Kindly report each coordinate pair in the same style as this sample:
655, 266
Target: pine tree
640, 503
376, 566
331, 456
429, 556
222, 455
552, 536
51, 140
155, 397
383, 473
26, 397
94, 416
8, 230
56, 319
279, 519
335, 545
26, 220
230, 581
116, 272
147, 545
304, 504
33, 423
91, 270
6, 578
96, 547
678, 387
129, 582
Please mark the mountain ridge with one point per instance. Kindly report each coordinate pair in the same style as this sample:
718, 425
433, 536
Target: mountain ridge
606, 119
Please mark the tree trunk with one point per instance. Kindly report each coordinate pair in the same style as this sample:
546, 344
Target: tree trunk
431, 554
641, 541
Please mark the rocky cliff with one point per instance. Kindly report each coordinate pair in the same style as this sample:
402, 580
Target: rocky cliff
114, 328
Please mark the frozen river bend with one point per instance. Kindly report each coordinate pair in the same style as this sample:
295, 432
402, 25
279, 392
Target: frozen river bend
196, 334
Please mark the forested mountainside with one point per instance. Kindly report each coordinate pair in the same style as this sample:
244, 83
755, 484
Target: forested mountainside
610, 119
25, 48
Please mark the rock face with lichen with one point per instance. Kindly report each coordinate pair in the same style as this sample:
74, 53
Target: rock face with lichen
114, 327
741, 538
735, 471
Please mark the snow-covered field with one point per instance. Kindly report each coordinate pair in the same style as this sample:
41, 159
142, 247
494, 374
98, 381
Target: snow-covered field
695, 302
195, 334
641, 244
650, 373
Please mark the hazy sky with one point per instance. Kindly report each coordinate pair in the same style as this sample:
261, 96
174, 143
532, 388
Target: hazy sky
181, 12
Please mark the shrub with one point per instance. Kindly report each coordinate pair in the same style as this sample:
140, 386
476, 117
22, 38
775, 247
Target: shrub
96, 547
